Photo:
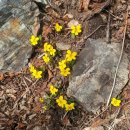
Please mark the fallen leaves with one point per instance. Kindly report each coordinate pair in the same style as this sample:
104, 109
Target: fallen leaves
96, 8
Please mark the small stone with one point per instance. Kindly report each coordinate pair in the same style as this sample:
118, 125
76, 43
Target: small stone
123, 1
94, 71
73, 23
37, 128
63, 46
94, 128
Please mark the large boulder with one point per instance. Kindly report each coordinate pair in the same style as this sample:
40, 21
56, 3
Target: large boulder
16, 26
94, 71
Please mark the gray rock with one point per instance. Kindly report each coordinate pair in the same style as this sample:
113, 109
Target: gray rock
16, 25
93, 74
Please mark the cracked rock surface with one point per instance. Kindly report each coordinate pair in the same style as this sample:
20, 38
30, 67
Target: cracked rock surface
16, 22
93, 74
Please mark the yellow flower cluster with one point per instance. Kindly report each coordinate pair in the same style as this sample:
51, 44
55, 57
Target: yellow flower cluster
63, 104
58, 27
64, 67
34, 40
70, 56
35, 73
53, 90
49, 52
115, 102
75, 30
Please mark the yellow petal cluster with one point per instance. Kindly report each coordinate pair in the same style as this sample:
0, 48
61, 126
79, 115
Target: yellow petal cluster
34, 40
69, 107
62, 64
49, 51
35, 73
41, 100
47, 47
61, 102
58, 27
65, 72
75, 30
44, 108
53, 90
70, 55
115, 102
46, 58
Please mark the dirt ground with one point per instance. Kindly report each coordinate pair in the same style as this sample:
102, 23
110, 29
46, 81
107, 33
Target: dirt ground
20, 108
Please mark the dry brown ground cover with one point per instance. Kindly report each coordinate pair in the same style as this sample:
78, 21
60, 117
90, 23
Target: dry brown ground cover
19, 92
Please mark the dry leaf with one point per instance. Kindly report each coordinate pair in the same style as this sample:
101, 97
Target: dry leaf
52, 12
46, 30
66, 121
98, 122
20, 125
128, 22
11, 74
126, 93
84, 5
67, 17
120, 33
1, 76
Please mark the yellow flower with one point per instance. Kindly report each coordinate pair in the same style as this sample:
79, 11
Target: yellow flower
41, 100
58, 28
61, 102
115, 102
53, 90
52, 51
47, 47
69, 107
31, 68
76, 29
46, 58
62, 64
44, 108
34, 40
65, 72
71, 55
37, 74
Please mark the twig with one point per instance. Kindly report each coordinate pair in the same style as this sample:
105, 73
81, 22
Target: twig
86, 37
123, 42
108, 29
114, 123
27, 90
65, 115
28, 79
113, 15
